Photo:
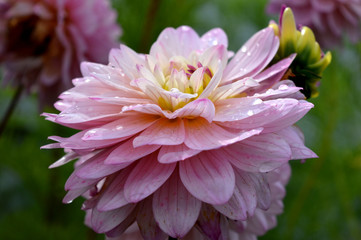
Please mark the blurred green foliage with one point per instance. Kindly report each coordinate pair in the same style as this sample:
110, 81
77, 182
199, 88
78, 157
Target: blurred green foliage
323, 198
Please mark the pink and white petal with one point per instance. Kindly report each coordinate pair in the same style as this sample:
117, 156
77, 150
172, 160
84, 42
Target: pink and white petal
253, 57
261, 153
64, 160
207, 178
261, 185
215, 58
175, 209
282, 89
75, 182
126, 153
142, 182
151, 89
235, 109
271, 75
85, 114
105, 221
201, 135
243, 202
214, 37
95, 167
213, 84
209, 222
126, 60
201, 107
124, 228
152, 109
124, 127
146, 222
113, 195
176, 42
114, 98
170, 154
78, 145
295, 139
72, 194
287, 117
162, 132
110, 76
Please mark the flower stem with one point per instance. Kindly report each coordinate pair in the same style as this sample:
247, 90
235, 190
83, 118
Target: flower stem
14, 101
149, 23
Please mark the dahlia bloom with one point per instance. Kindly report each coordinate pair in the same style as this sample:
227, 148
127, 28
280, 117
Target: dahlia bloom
42, 42
310, 62
173, 138
330, 19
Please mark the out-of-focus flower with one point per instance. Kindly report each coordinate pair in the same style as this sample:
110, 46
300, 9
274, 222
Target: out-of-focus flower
42, 42
174, 138
310, 62
329, 19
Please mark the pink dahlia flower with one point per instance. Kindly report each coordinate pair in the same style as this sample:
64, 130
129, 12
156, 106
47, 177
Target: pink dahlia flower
171, 138
329, 19
42, 42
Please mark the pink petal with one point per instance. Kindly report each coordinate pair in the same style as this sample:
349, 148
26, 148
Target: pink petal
126, 153
215, 58
64, 160
289, 115
126, 60
147, 224
209, 222
174, 208
271, 75
162, 132
253, 57
207, 178
202, 135
123, 127
295, 139
214, 37
282, 89
170, 154
147, 176
261, 153
201, 107
106, 221
213, 84
76, 143
123, 226
234, 109
96, 168
113, 195
243, 202
176, 42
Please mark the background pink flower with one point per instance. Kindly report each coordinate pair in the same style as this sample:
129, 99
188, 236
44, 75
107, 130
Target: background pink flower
329, 19
171, 138
42, 42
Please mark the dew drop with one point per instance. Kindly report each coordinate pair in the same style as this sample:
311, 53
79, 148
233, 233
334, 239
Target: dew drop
250, 112
283, 87
244, 49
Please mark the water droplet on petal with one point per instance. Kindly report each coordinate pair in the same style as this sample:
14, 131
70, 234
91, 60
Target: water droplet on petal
250, 112
283, 87
244, 49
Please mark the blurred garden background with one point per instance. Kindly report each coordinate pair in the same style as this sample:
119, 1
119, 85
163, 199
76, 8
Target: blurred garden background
323, 198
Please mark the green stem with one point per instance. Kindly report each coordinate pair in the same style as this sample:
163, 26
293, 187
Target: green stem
149, 24
14, 101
